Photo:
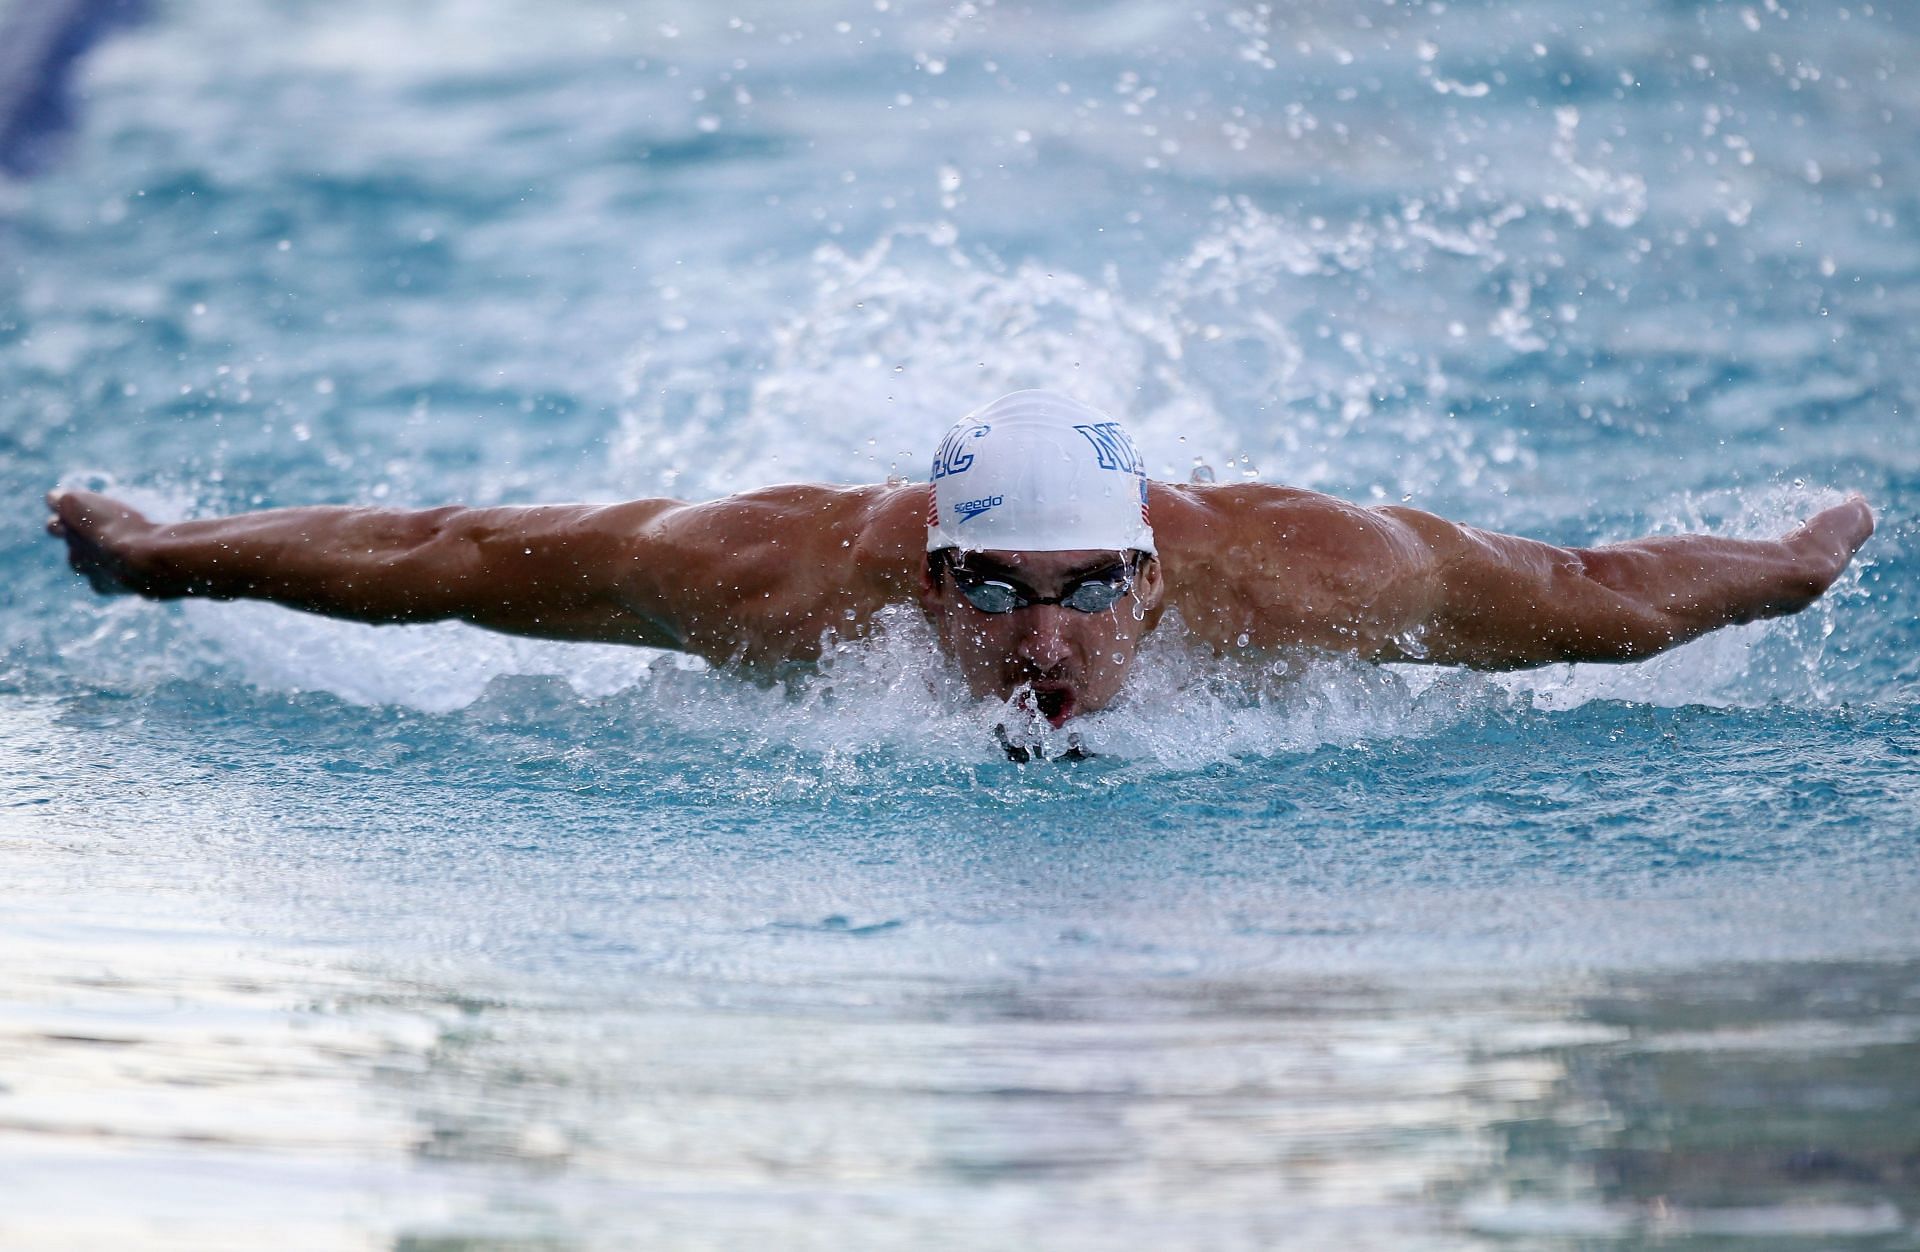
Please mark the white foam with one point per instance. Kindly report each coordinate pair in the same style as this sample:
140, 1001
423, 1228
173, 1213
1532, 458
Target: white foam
435, 668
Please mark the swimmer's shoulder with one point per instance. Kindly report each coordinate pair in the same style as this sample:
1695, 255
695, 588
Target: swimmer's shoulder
889, 547
1266, 566
820, 511
866, 539
1201, 519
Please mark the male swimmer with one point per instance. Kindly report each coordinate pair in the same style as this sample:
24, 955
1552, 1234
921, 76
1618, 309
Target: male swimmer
1040, 552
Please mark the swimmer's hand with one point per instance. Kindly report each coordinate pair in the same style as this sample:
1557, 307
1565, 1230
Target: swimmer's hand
1824, 544
103, 540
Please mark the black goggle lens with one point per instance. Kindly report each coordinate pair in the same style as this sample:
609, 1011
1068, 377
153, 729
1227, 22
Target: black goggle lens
1094, 594
988, 597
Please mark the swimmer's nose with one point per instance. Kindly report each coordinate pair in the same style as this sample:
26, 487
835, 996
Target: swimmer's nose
1044, 642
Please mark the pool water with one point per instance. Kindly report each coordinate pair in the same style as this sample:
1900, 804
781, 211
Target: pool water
326, 936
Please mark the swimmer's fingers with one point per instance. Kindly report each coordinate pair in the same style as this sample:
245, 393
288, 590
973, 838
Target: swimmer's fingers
95, 529
1848, 524
1830, 537
55, 526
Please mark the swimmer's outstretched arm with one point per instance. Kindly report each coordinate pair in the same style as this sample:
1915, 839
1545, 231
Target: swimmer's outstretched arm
754, 578
1502, 602
1254, 567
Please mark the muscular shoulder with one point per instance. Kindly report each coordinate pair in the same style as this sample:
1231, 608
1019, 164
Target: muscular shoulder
762, 574
790, 521
1282, 566
1266, 527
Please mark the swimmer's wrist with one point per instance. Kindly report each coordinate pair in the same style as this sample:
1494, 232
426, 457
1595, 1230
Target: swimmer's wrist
144, 568
159, 563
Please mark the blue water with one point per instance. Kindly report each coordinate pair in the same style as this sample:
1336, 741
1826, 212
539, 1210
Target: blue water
333, 936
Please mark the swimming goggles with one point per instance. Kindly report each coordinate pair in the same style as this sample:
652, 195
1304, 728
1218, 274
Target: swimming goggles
1096, 593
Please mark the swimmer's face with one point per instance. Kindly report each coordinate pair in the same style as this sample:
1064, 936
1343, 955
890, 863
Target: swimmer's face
1073, 662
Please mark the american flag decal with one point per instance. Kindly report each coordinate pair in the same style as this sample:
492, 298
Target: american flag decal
933, 508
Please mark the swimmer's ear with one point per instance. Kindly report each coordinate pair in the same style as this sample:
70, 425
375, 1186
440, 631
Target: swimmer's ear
933, 577
1149, 587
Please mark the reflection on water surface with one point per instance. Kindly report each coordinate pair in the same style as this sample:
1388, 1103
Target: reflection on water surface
240, 1095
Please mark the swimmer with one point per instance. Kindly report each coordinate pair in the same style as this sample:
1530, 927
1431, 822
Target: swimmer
1040, 552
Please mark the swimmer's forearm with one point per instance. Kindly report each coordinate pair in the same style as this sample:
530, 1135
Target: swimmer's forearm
1700, 583
1513, 603
375, 565
547, 571
1697, 583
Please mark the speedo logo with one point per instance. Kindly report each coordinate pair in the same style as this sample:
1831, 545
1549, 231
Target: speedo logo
970, 509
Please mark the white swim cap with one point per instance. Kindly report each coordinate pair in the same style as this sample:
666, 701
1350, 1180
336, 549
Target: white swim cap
1036, 471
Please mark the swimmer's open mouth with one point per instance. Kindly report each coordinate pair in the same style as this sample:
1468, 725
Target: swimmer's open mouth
1056, 702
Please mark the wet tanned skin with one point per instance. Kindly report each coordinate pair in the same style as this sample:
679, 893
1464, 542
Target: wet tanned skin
757, 580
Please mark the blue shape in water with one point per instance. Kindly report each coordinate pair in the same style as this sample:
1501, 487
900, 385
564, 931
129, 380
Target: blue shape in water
40, 42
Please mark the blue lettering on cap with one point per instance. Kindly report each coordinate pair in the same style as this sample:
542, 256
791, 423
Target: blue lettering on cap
1112, 447
970, 509
950, 459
